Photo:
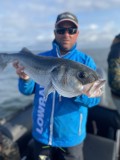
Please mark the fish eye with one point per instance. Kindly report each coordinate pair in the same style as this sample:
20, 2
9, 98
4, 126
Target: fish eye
82, 74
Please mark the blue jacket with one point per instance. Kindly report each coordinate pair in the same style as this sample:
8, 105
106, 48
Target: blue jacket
60, 121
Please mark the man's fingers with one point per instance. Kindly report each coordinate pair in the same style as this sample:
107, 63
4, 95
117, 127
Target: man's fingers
16, 64
20, 70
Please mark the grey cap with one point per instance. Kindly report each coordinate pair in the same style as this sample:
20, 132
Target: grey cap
67, 16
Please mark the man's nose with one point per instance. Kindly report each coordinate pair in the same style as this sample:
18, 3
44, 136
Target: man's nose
66, 33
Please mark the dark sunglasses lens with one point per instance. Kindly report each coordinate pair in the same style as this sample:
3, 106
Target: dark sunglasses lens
63, 30
60, 30
72, 30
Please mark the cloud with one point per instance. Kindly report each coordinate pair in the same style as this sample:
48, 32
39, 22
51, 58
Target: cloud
29, 23
93, 26
96, 36
87, 4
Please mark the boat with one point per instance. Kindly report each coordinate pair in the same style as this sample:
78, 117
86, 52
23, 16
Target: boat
15, 135
102, 142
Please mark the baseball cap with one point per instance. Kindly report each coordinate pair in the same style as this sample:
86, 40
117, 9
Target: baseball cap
66, 16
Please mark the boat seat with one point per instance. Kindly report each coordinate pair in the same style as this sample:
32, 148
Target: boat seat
99, 148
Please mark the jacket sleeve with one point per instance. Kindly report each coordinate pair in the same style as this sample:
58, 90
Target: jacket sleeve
26, 87
83, 99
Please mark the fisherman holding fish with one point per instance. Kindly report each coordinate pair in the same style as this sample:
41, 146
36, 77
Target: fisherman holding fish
66, 88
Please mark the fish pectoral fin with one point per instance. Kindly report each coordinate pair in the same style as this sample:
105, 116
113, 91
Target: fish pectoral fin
48, 89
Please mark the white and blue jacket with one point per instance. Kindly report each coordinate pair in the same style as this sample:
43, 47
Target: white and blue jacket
59, 121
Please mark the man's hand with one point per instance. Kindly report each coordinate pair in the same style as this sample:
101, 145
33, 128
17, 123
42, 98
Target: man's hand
20, 71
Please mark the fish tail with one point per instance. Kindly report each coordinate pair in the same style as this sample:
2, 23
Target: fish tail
3, 61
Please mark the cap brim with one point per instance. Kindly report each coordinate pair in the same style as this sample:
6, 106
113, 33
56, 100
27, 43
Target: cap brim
66, 20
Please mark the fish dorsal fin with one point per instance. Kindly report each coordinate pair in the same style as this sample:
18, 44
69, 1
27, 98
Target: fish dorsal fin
25, 51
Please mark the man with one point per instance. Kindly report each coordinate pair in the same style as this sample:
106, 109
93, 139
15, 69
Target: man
114, 66
114, 71
59, 123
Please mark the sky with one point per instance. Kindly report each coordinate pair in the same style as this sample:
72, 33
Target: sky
30, 23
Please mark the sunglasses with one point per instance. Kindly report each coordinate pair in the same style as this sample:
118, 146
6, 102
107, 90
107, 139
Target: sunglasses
63, 30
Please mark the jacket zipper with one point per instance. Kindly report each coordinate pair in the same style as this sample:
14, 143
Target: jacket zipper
80, 124
51, 119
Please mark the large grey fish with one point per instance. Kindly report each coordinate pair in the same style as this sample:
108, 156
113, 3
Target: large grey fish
67, 77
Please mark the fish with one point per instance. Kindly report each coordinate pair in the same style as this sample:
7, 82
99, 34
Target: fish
67, 77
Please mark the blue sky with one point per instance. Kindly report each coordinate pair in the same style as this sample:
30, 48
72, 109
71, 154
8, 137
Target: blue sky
30, 23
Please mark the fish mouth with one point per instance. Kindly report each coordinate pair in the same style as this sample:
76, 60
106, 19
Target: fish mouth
89, 89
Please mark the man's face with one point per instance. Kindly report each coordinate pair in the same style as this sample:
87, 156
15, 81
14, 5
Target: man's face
66, 40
